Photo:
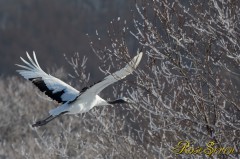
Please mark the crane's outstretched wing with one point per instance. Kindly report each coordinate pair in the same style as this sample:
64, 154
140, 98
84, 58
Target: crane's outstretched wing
51, 86
110, 79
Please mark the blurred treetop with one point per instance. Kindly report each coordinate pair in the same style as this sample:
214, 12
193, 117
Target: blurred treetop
53, 28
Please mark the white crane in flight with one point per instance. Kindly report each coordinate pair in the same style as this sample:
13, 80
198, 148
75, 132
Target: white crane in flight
72, 101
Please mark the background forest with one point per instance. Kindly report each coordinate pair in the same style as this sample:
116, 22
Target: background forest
185, 89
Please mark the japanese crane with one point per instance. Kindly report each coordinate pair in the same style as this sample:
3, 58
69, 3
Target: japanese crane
71, 100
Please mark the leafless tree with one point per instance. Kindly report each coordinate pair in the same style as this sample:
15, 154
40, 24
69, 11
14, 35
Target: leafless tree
188, 87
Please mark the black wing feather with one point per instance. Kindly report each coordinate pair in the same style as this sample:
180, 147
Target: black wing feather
39, 82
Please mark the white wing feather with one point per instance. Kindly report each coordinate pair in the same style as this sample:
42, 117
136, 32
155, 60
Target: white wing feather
110, 79
54, 88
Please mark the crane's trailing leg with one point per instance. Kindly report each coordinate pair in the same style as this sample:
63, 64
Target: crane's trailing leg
48, 119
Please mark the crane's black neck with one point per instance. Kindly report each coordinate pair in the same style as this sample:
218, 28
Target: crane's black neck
118, 101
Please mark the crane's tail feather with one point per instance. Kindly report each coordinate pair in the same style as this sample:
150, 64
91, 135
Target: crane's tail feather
58, 110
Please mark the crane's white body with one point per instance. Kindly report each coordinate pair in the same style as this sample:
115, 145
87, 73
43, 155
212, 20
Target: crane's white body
83, 104
72, 101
